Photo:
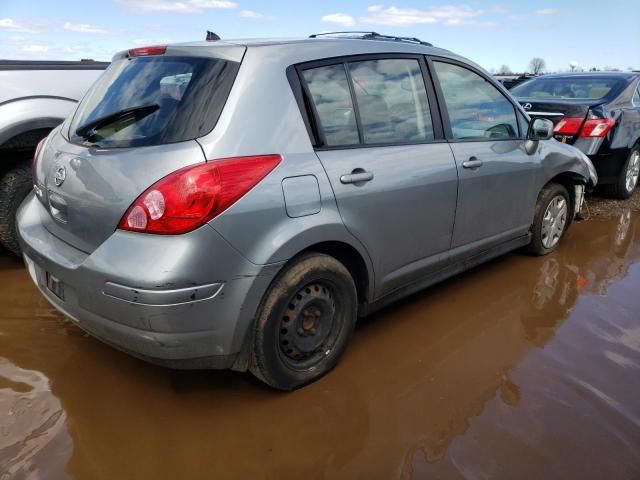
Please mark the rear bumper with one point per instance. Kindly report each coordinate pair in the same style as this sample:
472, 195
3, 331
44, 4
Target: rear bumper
183, 301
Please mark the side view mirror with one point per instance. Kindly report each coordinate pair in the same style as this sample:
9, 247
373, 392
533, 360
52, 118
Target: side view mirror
540, 129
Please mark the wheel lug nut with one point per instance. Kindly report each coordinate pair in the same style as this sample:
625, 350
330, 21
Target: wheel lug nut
301, 331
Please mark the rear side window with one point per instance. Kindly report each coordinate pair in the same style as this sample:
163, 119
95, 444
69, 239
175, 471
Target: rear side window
330, 94
154, 100
392, 101
578, 88
389, 103
477, 109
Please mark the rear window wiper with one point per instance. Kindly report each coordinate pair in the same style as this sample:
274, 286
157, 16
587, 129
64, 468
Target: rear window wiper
87, 130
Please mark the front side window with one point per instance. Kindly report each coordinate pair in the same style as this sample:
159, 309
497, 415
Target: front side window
477, 109
330, 94
392, 101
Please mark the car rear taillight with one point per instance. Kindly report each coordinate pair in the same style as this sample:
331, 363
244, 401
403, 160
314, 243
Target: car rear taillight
188, 198
597, 127
568, 126
148, 51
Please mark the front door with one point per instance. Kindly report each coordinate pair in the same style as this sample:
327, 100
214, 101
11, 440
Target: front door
496, 196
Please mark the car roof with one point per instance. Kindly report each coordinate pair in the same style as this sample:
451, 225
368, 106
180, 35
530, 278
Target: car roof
300, 50
345, 43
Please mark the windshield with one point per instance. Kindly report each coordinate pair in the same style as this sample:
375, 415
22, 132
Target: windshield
579, 88
187, 95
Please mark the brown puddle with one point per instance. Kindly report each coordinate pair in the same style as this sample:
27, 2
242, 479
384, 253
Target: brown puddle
523, 368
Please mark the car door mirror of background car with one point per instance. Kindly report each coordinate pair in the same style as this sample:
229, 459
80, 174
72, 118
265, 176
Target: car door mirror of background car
540, 129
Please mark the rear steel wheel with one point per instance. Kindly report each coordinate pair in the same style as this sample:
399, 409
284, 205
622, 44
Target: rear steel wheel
308, 329
304, 323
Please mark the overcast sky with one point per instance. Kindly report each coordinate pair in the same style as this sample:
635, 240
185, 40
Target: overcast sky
492, 34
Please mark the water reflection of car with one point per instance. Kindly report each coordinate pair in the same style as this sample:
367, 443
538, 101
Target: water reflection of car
598, 113
583, 267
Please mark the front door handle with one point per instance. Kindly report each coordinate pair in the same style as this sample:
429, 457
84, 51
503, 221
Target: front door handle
357, 176
473, 162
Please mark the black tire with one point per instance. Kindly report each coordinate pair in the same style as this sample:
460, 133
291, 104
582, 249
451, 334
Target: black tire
15, 184
304, 323
548, 194
619, 189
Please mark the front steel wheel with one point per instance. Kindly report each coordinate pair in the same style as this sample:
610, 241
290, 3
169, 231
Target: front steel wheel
304, 322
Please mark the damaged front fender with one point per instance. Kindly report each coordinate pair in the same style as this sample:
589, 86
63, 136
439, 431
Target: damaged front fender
562, 159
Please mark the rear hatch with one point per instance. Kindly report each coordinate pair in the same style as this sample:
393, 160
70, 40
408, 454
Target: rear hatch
136, 125
566, 100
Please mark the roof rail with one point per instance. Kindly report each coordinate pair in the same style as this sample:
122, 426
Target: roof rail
371, 36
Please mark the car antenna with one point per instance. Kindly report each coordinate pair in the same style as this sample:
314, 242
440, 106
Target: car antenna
212, 36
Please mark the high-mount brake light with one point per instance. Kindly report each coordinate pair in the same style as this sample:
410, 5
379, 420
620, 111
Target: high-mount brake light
188, 198
148, 51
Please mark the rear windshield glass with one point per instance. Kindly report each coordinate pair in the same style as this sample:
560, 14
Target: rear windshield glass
585, 88
154, 100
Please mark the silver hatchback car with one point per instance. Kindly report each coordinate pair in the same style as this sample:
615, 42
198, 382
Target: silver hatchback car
238, 204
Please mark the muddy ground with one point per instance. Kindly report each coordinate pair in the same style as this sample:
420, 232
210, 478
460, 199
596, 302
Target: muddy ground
524, 368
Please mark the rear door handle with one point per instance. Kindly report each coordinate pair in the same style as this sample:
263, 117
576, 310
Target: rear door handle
357, 176
473, 162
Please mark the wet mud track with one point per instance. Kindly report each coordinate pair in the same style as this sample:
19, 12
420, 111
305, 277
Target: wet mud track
522, 368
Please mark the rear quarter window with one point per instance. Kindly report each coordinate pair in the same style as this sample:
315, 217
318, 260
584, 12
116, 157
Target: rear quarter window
186, 96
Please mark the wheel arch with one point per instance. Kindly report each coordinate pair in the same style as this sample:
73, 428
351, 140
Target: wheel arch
35, 114
351, 258
356, 261
568, 180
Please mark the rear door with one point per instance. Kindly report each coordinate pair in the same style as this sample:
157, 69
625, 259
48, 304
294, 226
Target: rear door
496, 196
393, 175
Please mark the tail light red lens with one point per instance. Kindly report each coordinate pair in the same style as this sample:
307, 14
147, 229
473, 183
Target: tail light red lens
188, 198
569, 126
148, 51
597, 127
